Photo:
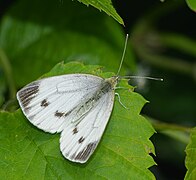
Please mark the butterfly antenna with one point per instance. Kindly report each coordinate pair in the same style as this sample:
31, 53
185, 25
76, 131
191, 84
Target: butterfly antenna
123, 55
141, 77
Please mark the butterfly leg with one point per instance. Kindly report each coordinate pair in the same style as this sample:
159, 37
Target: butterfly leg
120, 101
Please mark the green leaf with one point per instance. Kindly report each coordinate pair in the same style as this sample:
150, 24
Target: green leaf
123, 153
191, 4
106, 6
34, 42
191, 156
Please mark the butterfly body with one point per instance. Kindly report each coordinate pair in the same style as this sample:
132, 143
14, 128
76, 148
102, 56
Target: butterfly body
76, 105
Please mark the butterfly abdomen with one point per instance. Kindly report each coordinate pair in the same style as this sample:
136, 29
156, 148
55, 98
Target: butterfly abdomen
85, 107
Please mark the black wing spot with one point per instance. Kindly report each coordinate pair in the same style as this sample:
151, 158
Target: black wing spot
26, 109
81, 139
68, 113
86, 152
27, 94
59, 114
44, 103
75, 131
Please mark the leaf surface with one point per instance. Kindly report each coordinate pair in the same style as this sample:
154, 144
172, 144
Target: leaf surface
123, 153
191, 4
106, 6
191, 156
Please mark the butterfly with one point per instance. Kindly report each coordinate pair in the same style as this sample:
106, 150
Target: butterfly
76, 105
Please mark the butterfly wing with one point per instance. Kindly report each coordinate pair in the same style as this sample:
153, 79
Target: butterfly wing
67, 103
79, 141
50, 103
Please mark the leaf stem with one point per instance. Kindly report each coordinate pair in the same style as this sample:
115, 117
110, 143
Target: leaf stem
166, 62
178, 132
179, 42
8, 73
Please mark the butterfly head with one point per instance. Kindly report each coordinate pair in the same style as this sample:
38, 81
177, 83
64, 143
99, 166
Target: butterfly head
113, 81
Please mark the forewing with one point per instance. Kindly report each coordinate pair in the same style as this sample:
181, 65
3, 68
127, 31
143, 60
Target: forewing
78, 141
49, 103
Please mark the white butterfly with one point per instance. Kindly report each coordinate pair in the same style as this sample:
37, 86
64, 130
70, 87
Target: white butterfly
76, 105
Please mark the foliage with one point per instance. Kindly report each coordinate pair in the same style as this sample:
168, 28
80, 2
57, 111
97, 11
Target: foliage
192, 4
35, 36
191, 154
106, 6
123, 152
